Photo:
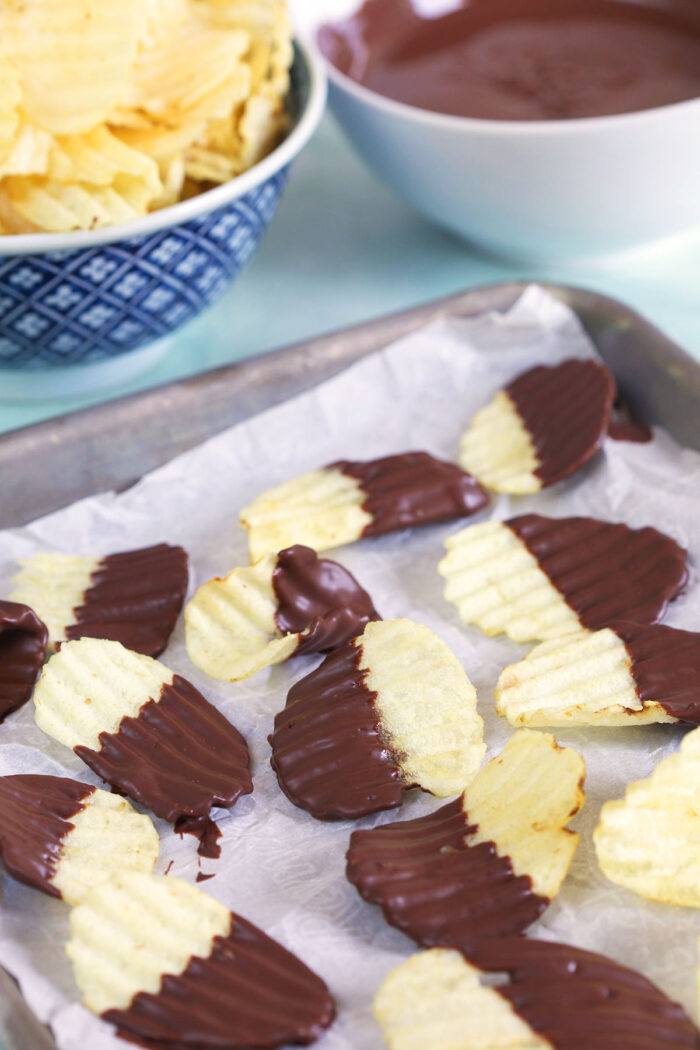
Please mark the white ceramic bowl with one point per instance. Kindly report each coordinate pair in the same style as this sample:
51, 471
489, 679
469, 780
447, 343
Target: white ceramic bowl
542, 190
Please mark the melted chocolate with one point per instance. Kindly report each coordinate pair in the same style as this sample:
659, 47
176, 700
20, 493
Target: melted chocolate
321, 595
665, 665
413, 489
622, 430
35, 817
579, 1000
524, 59
23, 639
327, 747
566, 410
605, 572
250, 992
179, 757
435, 887
135, 598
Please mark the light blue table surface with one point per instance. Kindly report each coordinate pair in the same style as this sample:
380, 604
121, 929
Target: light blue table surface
343, 249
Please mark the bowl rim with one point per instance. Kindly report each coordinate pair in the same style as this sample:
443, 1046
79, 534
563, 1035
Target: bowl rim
523, 128
208, 201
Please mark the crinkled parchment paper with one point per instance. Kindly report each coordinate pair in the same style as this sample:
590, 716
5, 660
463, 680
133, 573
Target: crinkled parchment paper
280, 868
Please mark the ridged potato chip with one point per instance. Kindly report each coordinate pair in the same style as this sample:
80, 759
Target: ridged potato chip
63, 837
74, 56
499, 451
649, 841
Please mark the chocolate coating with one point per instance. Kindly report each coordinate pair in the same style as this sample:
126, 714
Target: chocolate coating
179, 757
435, 887
250, 992
327, 747
624, 430
135, 598
579, 1000
23, 639
35, 817
413, 488
523, 59
605, 572
319, 594
665, 665
566, 410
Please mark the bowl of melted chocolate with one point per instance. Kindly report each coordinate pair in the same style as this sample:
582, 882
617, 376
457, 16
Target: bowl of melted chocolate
536, 128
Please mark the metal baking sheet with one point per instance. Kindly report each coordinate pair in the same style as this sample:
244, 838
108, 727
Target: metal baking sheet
112, 445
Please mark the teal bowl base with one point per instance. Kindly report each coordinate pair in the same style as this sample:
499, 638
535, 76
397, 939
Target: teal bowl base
80, 380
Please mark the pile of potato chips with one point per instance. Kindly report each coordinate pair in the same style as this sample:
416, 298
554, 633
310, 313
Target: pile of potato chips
112, 108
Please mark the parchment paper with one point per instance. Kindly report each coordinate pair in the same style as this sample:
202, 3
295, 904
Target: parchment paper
279, 867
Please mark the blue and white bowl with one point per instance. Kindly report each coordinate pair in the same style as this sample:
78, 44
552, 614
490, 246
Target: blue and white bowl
92, 296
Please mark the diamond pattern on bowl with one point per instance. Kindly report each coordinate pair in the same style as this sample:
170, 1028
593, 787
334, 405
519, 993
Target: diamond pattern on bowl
100, 302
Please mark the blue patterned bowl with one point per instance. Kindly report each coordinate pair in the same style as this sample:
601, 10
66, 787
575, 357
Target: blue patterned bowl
90, 296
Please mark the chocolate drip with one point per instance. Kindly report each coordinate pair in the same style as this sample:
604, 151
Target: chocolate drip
179, 757
622, 430
413, 489
250, 992
566, 410
435, 887
321, 595
605, 572
583, 1001
327, 747
135, 598
523, 59
23, 639
35, 817
665, 665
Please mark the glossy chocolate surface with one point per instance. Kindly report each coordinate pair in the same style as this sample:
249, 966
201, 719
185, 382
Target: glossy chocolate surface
605, 572
250, 992
566, 410
435, 887
135, 598
327, 747
579, 1000
413, 488
35, 817
625, 430
523, 59
179, 757
321, 595
665, 665
23, 639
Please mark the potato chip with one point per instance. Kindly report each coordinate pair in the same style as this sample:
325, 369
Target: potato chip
152, 954
582, 679
10, 96
63, 837
649, 842
29, 152
390, 710
436, 999
54, 585
74, 56
487, 864
499, 451
100, 158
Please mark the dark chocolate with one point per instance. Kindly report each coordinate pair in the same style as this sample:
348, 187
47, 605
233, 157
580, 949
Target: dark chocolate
327, 748
179, 757
523, 60
411, 489
665, 665
250, 993
23, 639
435, 887
625, 430
580, 1000
566, 410
35, 817
135, 598
321, 595
605, 572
